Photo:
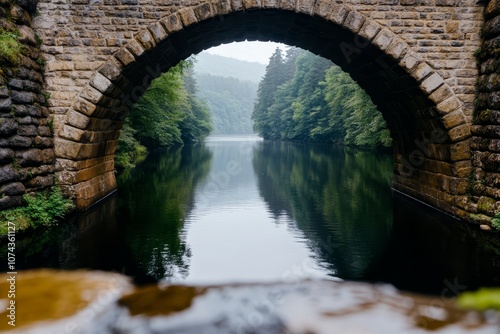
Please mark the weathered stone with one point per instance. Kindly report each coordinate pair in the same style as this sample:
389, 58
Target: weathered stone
41, 182
43, 142
8, 127
22, 97
29, 158
354, 21
5, 104
383, 38
8, 174
27, 35
430, 84
12, 189
27, 130
16, 141
6, 156
8, 202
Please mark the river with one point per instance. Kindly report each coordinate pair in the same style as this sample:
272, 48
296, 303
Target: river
238, 209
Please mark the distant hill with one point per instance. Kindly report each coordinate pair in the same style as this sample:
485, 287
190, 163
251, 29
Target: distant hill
228, 67
230, 100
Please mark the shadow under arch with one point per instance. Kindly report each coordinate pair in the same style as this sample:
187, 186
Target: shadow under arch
429, 129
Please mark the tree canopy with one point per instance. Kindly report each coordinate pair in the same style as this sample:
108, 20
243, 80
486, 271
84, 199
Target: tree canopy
168, 113
306, 97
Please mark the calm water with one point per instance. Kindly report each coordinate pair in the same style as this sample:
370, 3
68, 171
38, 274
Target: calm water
237, 209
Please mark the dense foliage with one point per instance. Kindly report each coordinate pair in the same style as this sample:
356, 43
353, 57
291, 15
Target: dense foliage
168, 113
42, 209
230, 100
308, 98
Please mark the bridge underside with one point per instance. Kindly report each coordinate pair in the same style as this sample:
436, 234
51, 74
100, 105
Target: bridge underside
429, 129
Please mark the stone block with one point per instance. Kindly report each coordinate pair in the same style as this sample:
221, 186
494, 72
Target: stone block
111, 69
8, 202
354, 21
5, 104
77, 119
158, 32
454, 119
4, 92
27, 35
187, 16
8, 127
8, 174
441, 94
172, 23
338, 14
22, 97
43, 142
101, 83
44, 131
124, 56
145, 39
71, 133
12, 189
409, 62
6, 156
422, 71
27, 130
91, 94
459, 133
383, 38
460, 151
41, 182
431, 83
448, 105
29, 158
16, 142
287, 4
204, 11
223, 7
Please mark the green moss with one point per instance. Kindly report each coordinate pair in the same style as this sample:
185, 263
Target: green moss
43, 209
10, 48
495, 222
483, 299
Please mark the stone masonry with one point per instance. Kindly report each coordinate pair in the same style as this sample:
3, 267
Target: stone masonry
485, 145
26, 139
416, 59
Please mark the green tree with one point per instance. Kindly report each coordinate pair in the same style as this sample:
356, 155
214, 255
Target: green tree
167, 114
264, 121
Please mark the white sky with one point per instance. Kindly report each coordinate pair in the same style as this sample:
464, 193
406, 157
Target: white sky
250, 51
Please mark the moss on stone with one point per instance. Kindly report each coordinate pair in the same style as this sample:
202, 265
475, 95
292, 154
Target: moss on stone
10, 48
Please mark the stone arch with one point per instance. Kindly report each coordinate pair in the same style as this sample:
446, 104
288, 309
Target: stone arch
430, 130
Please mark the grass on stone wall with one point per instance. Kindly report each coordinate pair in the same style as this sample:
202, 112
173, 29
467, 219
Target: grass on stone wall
43, 209
10, 48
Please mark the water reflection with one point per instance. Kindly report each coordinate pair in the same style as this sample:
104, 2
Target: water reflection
237, 209
154, 202
339, 198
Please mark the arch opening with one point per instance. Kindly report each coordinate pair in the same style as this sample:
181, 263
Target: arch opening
429, 130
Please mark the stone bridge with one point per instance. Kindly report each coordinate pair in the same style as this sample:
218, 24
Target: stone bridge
431, 67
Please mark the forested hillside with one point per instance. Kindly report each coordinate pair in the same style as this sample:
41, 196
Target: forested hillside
168, 113
305, 97
207, 63
231, 102
229, 87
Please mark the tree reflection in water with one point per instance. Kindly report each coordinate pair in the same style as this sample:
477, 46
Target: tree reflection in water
159, 196
339, 198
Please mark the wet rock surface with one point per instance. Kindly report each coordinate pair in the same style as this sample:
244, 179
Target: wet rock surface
96, 302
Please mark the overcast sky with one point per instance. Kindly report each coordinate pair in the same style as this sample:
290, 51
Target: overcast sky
250, 51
